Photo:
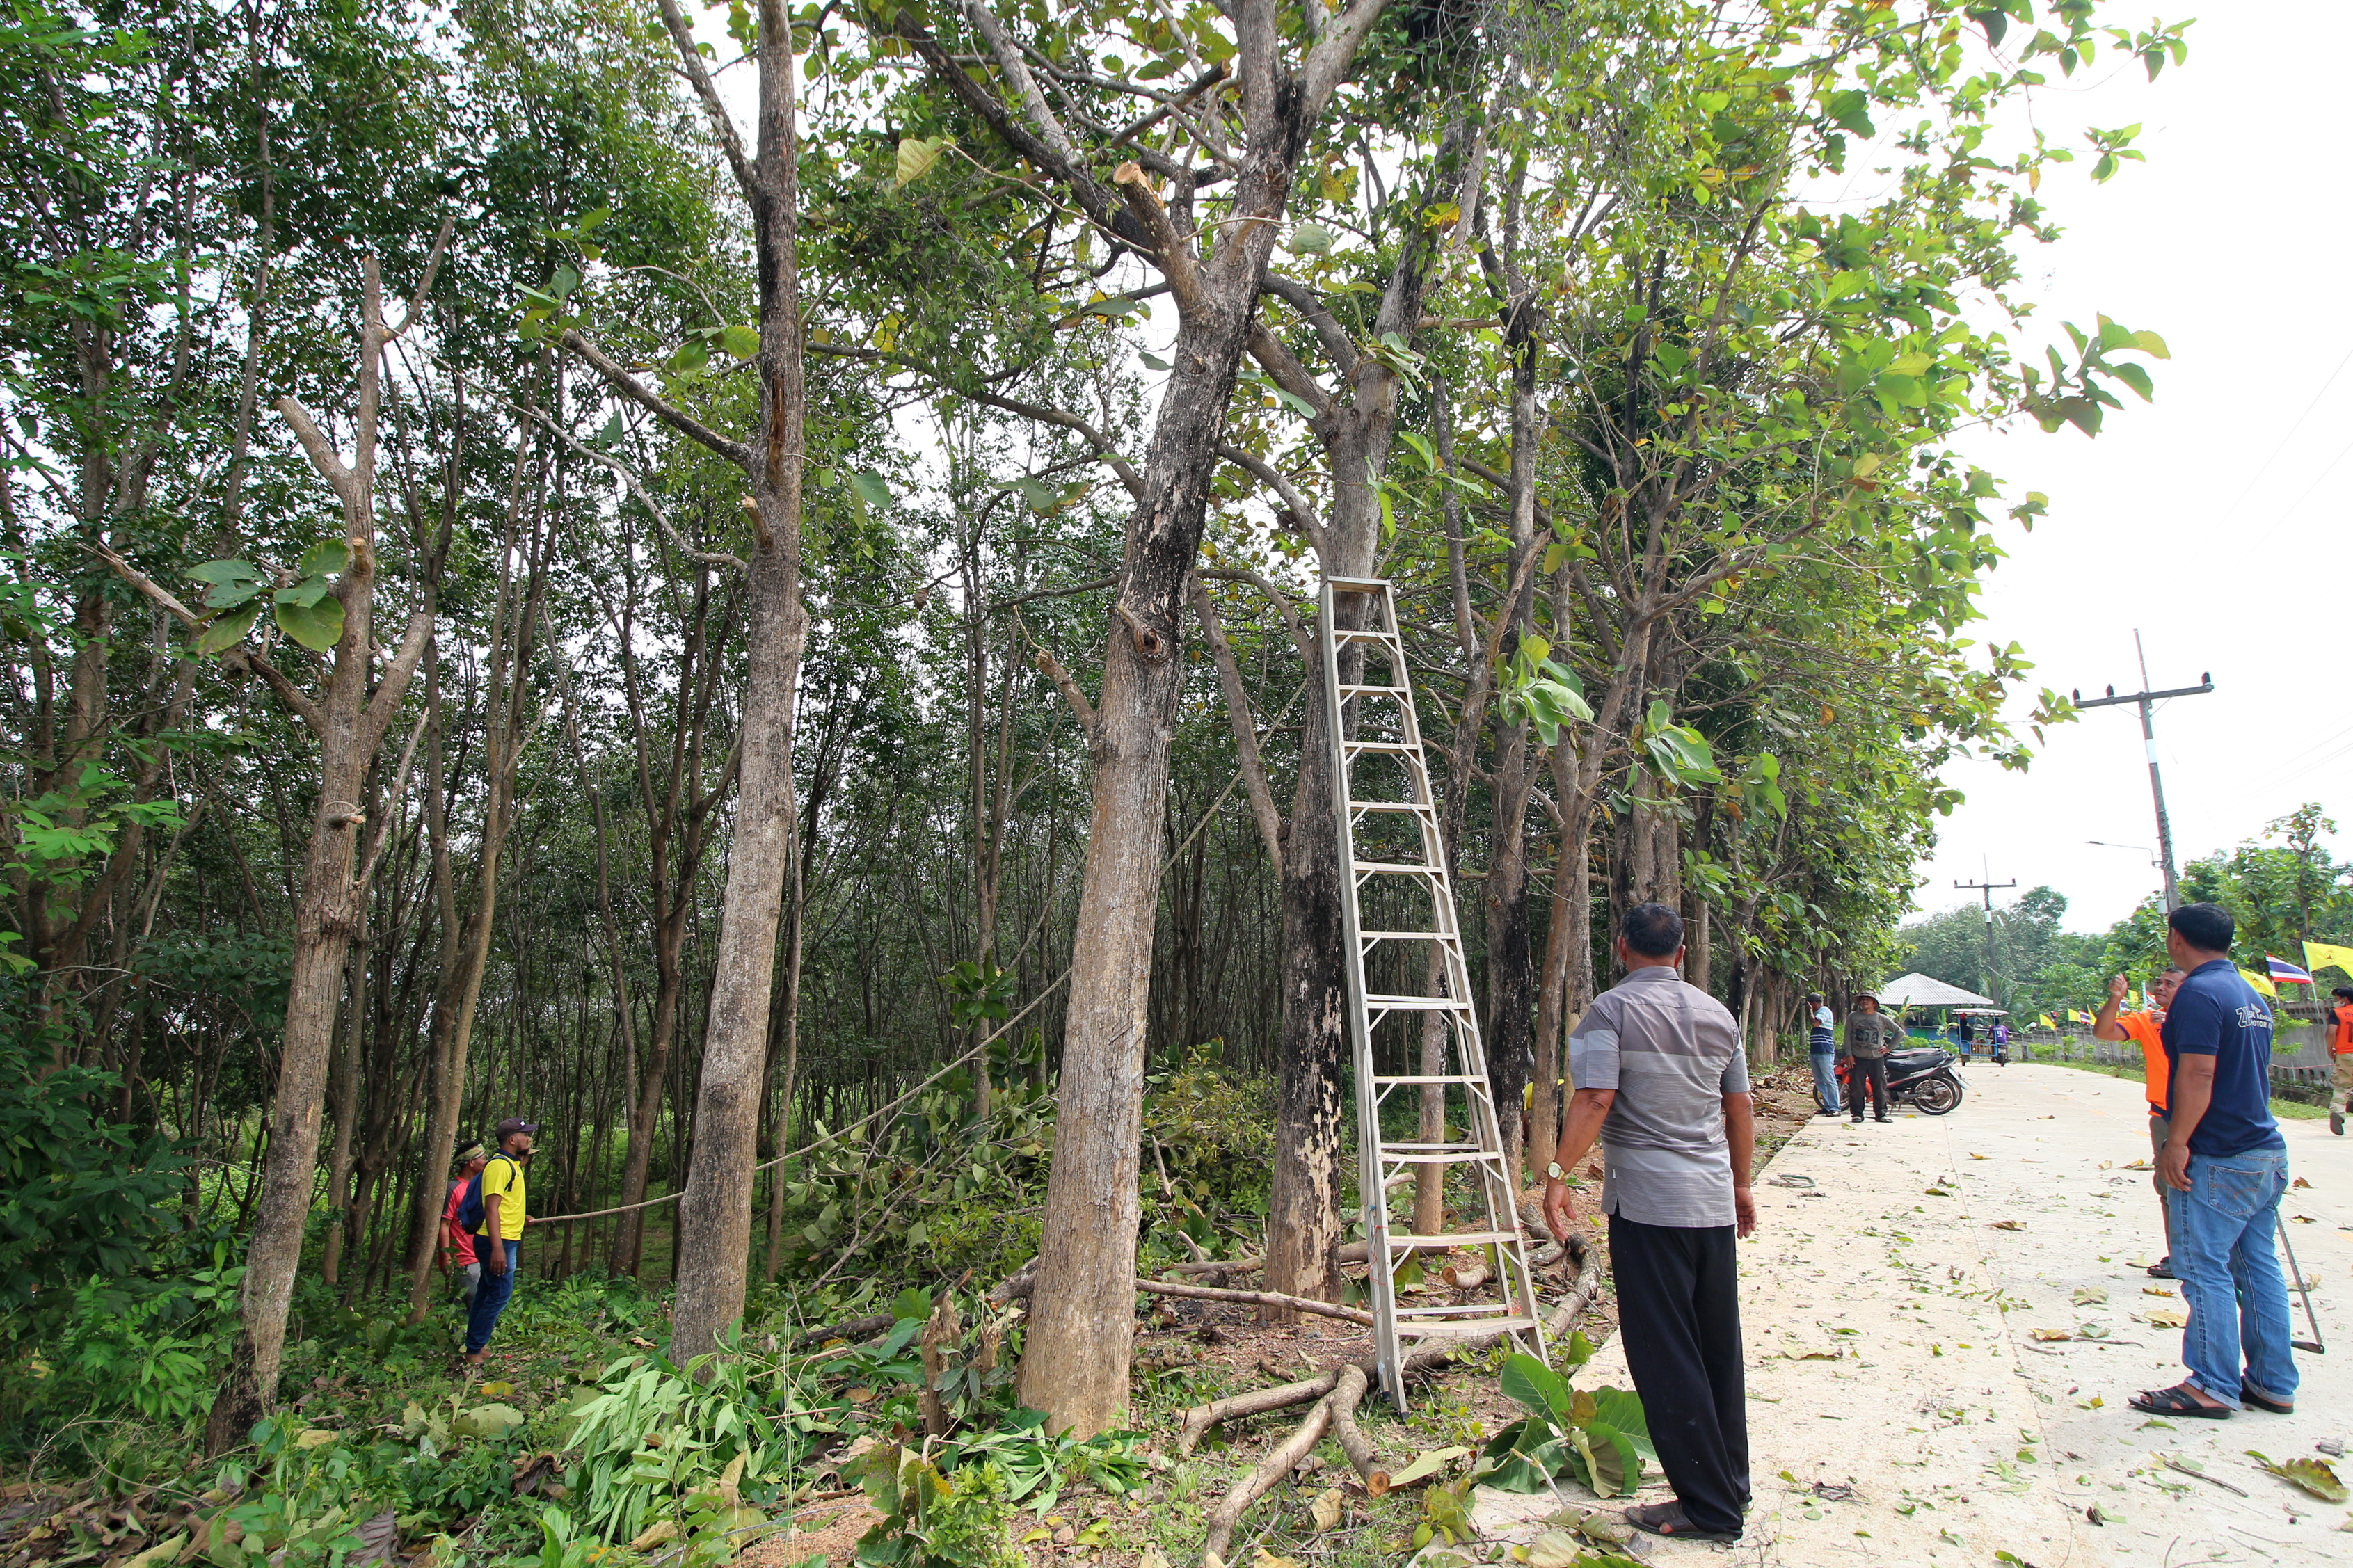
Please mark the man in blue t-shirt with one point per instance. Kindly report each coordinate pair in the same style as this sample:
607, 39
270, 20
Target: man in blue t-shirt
2226, 1166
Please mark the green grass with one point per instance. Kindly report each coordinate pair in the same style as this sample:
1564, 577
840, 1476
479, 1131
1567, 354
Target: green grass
2289, 1110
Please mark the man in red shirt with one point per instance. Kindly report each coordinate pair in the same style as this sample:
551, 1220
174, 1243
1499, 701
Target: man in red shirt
2141, 1029
457, 1246
2340, 1054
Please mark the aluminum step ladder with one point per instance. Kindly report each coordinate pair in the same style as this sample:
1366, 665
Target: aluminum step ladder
1390, 842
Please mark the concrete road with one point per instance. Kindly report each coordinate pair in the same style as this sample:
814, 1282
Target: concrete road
1945, 1318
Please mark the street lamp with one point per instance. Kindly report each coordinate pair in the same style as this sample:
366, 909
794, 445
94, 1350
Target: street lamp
2154, 864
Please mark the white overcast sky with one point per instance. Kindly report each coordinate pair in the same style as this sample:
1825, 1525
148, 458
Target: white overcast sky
2214, 519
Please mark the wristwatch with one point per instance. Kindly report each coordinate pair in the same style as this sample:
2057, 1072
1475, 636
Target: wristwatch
1556, 1172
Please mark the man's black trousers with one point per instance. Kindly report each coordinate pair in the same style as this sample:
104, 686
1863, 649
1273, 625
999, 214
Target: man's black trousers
1679, 1319
1871, 1071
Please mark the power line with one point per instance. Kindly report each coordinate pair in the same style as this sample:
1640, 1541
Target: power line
2249, 487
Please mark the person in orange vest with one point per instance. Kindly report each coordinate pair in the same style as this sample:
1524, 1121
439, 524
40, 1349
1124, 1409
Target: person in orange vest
2143, 1029
2340, 1054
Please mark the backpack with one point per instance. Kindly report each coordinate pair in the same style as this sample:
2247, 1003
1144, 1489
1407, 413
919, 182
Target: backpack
472, 1215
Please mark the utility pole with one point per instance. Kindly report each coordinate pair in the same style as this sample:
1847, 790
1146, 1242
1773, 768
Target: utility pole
1987, 887
2145, 698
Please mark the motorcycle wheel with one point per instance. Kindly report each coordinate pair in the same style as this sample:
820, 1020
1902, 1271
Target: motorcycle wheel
1936, 1096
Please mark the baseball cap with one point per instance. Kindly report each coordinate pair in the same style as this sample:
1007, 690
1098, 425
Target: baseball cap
516, 1124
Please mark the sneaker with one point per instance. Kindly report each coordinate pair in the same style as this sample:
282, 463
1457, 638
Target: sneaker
1883, 1118
2337, 1122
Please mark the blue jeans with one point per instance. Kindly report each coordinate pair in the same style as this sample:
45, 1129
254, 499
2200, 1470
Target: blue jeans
2228, 1267
490, 1296
1826, 1081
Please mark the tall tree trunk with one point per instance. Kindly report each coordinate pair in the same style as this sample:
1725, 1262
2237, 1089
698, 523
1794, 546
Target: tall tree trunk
505, 704
347, 725
714, 1218
1304, 1205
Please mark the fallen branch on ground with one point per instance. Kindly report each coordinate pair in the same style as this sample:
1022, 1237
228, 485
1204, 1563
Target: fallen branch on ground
853, 1330
1254, 1299
1347, 1391
1417, 1363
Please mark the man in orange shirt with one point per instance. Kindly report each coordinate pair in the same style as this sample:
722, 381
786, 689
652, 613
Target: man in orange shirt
2142, 1029
2340, 1054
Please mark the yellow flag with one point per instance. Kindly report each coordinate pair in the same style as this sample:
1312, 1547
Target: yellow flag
2320, 955
2046, 1023
2261, 983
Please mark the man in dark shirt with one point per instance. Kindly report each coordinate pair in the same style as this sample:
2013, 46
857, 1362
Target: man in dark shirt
2226, 1165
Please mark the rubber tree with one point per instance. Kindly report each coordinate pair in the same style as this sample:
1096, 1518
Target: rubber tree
326, 603
714, 1220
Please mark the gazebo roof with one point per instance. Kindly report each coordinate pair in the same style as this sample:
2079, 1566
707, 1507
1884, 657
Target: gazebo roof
1918, 990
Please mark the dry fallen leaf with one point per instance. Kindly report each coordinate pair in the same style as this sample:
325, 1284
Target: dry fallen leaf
2048, 1335
2090, 1295
1328, 1509
2156, 1291
2313, 1475
2166, 1317
1977, 1156
2010, 1224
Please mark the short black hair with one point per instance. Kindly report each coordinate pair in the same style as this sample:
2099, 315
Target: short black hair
1654, 930
2206, 927
2344, 991
1814, 996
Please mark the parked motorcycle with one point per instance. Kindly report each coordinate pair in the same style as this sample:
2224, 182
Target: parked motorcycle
1921, 1076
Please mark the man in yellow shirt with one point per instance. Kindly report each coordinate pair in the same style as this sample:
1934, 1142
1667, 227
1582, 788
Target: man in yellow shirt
499, 1244
2142, 1028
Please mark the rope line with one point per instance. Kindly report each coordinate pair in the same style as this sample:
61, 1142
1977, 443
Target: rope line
1055, 984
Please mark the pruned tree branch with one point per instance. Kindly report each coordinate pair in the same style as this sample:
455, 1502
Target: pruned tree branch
653, 403
722, 124
321, 453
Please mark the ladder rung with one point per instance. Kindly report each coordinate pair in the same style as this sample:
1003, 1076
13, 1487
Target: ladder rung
1347, 688
1393, 869
1388, 1148
1467, 1326
1360, 585
1427, 807
1365, 634
1434, 1077
1393, 748
1460, 1239
1373, 936
1389, 1157
1414, 1005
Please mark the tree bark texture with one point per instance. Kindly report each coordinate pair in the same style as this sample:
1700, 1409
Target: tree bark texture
714, 1218
347, 726
1304, 1207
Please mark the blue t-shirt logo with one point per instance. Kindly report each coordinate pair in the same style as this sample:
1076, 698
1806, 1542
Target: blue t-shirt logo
2217, 1013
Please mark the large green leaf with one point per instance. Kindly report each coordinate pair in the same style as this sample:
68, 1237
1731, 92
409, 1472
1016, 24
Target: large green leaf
1623, 1411
1536, 1387
916, 156
326, 559
227, 583
227, 631
316, 626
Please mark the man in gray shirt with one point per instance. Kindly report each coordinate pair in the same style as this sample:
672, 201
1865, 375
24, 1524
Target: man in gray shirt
1662, 1082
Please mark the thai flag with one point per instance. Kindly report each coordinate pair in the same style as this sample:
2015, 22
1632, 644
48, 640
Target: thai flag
2286, 973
